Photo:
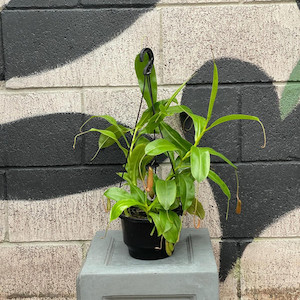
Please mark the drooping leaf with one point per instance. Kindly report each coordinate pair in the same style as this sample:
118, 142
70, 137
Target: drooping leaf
139, 69
169, 248
214, 152
239, 117
105, 141
161, 222
111, 135
172, 235
159, 146
119, 129
196, 209
215, 178
186, 190
174, 137
166, 192
121, 205
232, 118
200, 163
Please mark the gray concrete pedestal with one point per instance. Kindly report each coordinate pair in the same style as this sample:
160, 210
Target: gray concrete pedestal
109, 273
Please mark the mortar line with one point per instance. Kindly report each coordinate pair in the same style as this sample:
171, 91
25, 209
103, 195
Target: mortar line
43, 243
244, 163
54, 167
203, 4
81, 7
24, 90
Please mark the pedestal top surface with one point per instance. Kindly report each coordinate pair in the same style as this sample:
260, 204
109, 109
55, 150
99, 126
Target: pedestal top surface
108, 254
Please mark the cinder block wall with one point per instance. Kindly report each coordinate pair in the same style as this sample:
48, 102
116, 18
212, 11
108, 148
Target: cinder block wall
61, 61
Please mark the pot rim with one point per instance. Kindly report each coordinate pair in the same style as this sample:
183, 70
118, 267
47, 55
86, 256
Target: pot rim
134, 219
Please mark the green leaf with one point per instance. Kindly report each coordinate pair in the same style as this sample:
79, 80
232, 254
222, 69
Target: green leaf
134, 161
153, 123
121, 129
239, 117
199, 125
117, 194
111, 135
175, 138
214, 91
231, 118
214, 152
215, 178
159, 146
161, 222
139, 69
172, 99
125, 176
121, 205
166, 192
200, 163
105, 141
186, 190
198, 121
172, 235
178, 109
196, 209
137, 193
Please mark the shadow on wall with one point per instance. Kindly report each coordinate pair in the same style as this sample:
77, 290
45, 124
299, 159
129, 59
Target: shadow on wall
269, 178
60, 36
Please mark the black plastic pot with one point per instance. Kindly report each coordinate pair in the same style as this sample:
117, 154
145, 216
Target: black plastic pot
141, 245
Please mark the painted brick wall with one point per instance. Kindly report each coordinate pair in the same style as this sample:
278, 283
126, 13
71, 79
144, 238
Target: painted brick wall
61, 61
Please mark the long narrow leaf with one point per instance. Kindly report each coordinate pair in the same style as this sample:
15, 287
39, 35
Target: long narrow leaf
133, 162
239, 117
215, 178
214, 91
177, 91
174, 137
214, 152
